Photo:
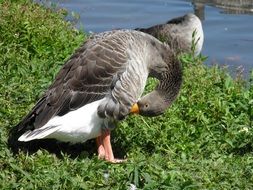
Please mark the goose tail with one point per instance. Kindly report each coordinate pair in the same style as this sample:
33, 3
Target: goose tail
27, 124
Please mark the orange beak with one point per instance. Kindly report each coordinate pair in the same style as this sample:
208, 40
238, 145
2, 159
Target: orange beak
135, 109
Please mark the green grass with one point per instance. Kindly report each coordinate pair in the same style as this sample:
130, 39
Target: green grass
204, 141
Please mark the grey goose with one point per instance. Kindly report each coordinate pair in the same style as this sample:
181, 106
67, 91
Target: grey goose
102, 82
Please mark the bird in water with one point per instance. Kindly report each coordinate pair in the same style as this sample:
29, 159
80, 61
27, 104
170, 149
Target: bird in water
102, 82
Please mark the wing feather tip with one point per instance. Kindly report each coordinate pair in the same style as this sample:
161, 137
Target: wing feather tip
25, 137
38, 133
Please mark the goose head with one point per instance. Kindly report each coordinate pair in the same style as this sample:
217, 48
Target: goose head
153, 104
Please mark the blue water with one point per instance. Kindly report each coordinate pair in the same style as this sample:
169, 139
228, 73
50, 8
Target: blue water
228, 35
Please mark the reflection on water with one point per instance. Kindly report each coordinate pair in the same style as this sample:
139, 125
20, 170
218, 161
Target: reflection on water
228, 6
231, 40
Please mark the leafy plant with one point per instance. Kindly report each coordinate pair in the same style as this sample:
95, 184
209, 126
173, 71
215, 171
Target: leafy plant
204, 141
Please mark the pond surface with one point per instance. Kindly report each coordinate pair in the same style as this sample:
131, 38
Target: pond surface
228, 24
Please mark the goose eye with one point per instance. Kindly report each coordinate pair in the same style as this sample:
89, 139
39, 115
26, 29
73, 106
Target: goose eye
146, 105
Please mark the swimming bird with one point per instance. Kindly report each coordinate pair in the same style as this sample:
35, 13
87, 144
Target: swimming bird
101, 83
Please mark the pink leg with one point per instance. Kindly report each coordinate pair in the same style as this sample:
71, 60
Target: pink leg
106, 138
100, 146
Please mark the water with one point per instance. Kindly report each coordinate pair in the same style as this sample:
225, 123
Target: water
228, 25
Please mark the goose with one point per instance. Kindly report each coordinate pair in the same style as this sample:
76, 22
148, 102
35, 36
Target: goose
178, 32
100, 84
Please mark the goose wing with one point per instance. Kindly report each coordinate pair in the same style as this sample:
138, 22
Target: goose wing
100, 68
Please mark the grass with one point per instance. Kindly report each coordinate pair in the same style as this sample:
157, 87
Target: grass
204, 141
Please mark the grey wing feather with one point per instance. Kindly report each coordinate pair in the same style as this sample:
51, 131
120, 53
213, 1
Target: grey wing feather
85, 77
